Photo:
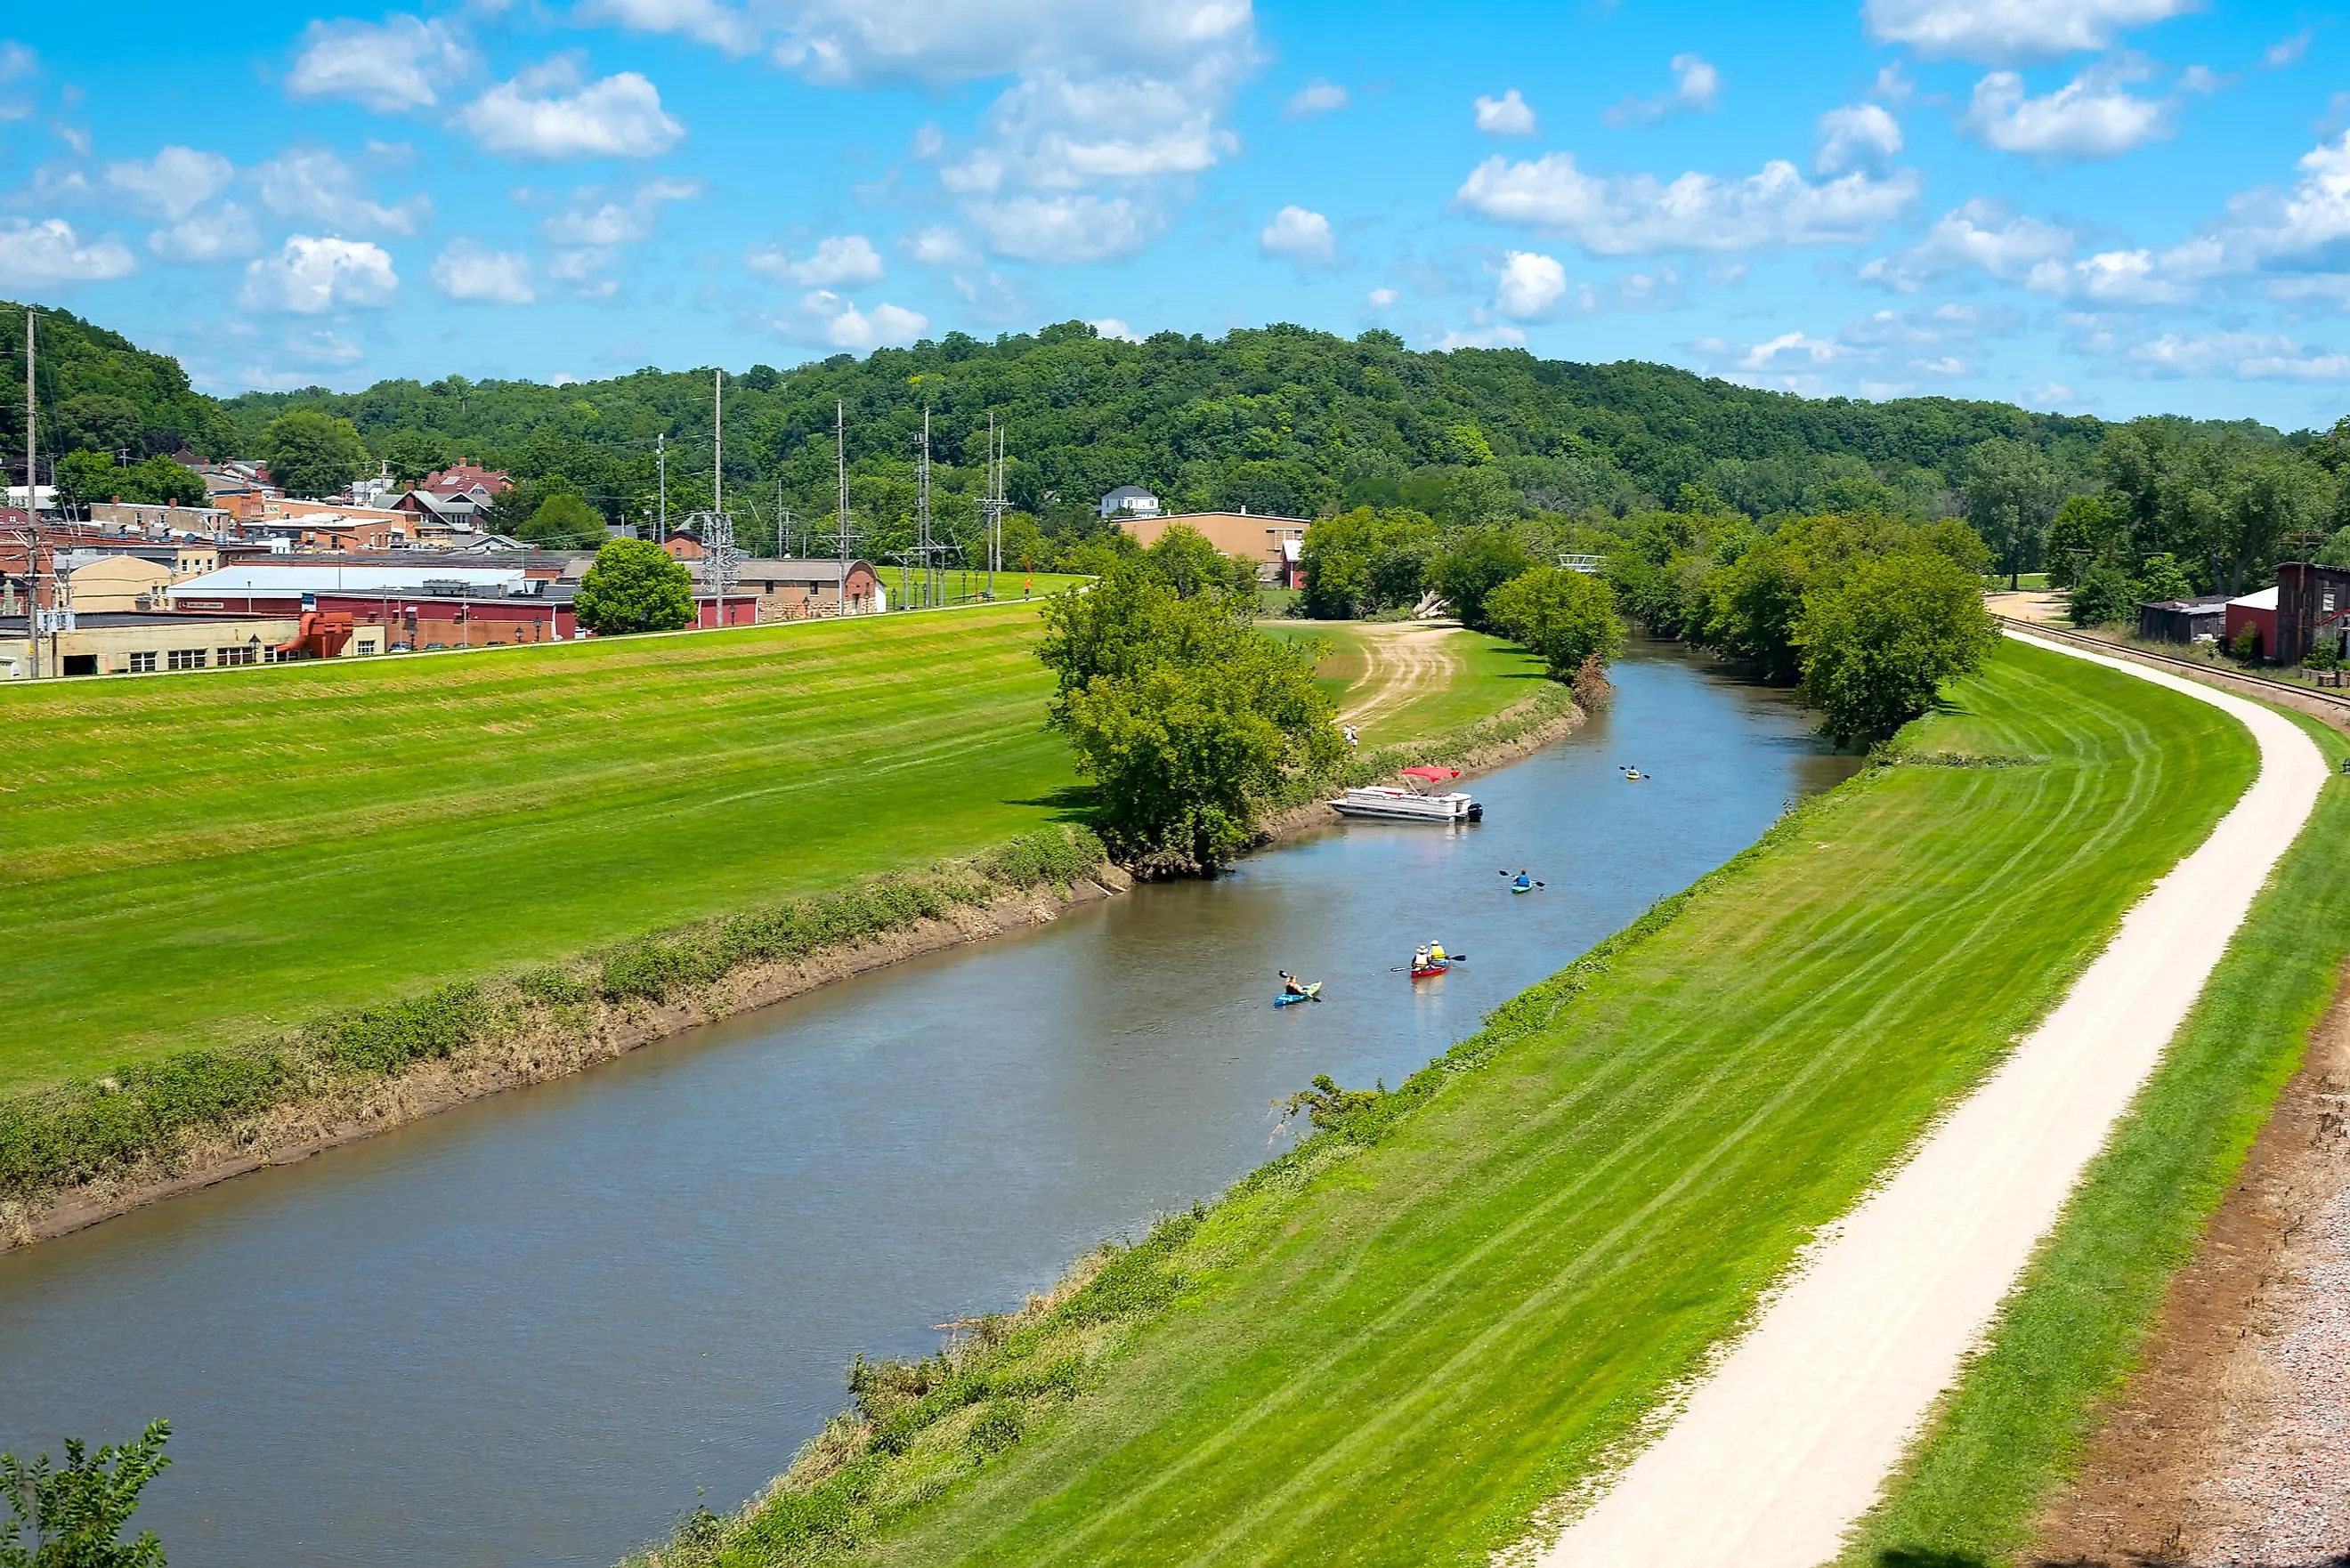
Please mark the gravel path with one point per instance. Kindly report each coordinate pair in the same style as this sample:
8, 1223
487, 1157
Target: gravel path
1783, 1446
1403, 661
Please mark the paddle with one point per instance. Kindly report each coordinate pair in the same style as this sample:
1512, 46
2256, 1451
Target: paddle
1448, 957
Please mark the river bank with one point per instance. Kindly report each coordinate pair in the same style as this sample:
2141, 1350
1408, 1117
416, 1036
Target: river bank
555, 1022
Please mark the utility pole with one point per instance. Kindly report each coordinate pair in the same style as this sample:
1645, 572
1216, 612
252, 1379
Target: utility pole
993, 503
840, 460
32, 509
718, 484
923, 517
661, 456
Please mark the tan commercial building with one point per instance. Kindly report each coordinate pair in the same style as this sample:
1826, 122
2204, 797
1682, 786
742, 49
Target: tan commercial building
796, 589
116, 583
1270, 542
106, 643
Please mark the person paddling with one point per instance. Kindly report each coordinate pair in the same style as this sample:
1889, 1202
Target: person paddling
1521, 882
1291, 985
1418, 960
1436, 953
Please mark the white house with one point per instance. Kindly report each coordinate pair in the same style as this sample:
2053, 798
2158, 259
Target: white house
1129, 501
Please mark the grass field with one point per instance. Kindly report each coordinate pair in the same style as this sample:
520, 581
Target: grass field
199, 858
961, 586
1489, 675
2004, 1440
1397, 1352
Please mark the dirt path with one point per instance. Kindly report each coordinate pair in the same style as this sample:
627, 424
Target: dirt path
1403, 660
1788, 1441
2230, 1443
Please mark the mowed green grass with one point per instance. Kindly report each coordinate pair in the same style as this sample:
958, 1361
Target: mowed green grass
193, 858
1492, 675
1399, 1359
2013, 1430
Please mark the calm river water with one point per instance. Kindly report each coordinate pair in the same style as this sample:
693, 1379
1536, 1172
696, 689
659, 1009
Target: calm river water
526, 1330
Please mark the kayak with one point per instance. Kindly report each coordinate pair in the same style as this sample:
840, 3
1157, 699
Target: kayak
1427, 969
1522, 887
1311, 992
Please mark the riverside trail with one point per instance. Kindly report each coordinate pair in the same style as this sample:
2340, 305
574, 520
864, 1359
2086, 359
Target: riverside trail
1785, 1443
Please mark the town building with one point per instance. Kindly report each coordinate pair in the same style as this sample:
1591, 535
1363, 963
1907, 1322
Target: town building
1129, 501
2313, 610
161, 521
119, 643
1251, 536
802, 589
2183, 620
2255, 612
112, 580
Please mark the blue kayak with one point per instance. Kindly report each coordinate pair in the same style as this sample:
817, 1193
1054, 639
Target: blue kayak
1310, 992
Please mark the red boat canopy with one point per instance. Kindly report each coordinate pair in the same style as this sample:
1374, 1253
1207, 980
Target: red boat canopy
1432, 774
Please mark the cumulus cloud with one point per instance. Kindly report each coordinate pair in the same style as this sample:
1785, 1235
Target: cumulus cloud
704, 21
1858, 135
1531, 286
2011, 29
1980, 236
1508, 115
172, 184
392, 67
2242, 356
313, 185
839, 260
941, 244
469, 272
595, 219
829, 318
935, 42
39, 254
2287, 51
1111, 327
1695, 86
1080, 228
1494, 337
548, 112
1300, 235
1381, 299
2093, 116
311, 275
222, 234
1316, 96
1637, 214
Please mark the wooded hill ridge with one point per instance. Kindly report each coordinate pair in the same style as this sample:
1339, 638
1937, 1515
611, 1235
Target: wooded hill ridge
1281, 420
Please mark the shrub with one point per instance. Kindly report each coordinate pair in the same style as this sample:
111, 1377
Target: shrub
1568, 618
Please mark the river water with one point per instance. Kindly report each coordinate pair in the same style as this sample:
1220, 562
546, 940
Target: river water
527, 1329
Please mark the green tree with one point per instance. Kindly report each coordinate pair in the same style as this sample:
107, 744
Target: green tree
2088, 531
1185, 560
634, 586
1185, 716
1472, 563
84, 479
2162, 577
1878, 643
1364, 561
2102, 597
1565, 617
2335, 552
412, 455
96, 421
73, 1516
2011, 494
311, 453
563, 521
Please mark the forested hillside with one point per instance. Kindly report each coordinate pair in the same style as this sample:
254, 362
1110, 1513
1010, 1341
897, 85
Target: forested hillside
99, 392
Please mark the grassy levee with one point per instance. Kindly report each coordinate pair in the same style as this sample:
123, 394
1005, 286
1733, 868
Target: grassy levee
1399, 1342
2009, 1434
199, 859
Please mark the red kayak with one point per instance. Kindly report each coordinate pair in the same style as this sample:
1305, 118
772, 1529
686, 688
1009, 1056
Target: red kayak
1423, 972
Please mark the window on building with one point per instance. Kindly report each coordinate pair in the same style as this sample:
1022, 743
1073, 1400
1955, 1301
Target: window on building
185, 658
141, 664
245, 654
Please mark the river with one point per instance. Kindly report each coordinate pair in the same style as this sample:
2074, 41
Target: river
527, 1329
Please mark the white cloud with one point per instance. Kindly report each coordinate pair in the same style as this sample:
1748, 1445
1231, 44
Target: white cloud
839, 259
1857, 134
225, 232
1316, 96
312, 185
2308, 225
855, 42
592, 220
2244, 356
547, 113
467, 270
1978, 237
2011, 29
401, 64
2092, 116
1300, 234
1508, 115
832, 319
1695, 84
1065, 228
1111, 327
704, 21
1480, 338
1637, 214
1531, 288
1380, 298
1792, 351
49, 251
172, 184
310, 275
941, 244
2287, 51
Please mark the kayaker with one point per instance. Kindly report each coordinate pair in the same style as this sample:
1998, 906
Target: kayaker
1436, 953
1419, 959
1291, 985
1522, 880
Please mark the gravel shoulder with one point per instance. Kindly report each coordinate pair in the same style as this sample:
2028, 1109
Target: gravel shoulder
1788, 1441
1405, 660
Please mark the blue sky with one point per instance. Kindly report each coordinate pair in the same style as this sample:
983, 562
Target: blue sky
2112, 206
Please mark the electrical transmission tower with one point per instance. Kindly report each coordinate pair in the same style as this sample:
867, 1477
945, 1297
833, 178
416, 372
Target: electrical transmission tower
994, 505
